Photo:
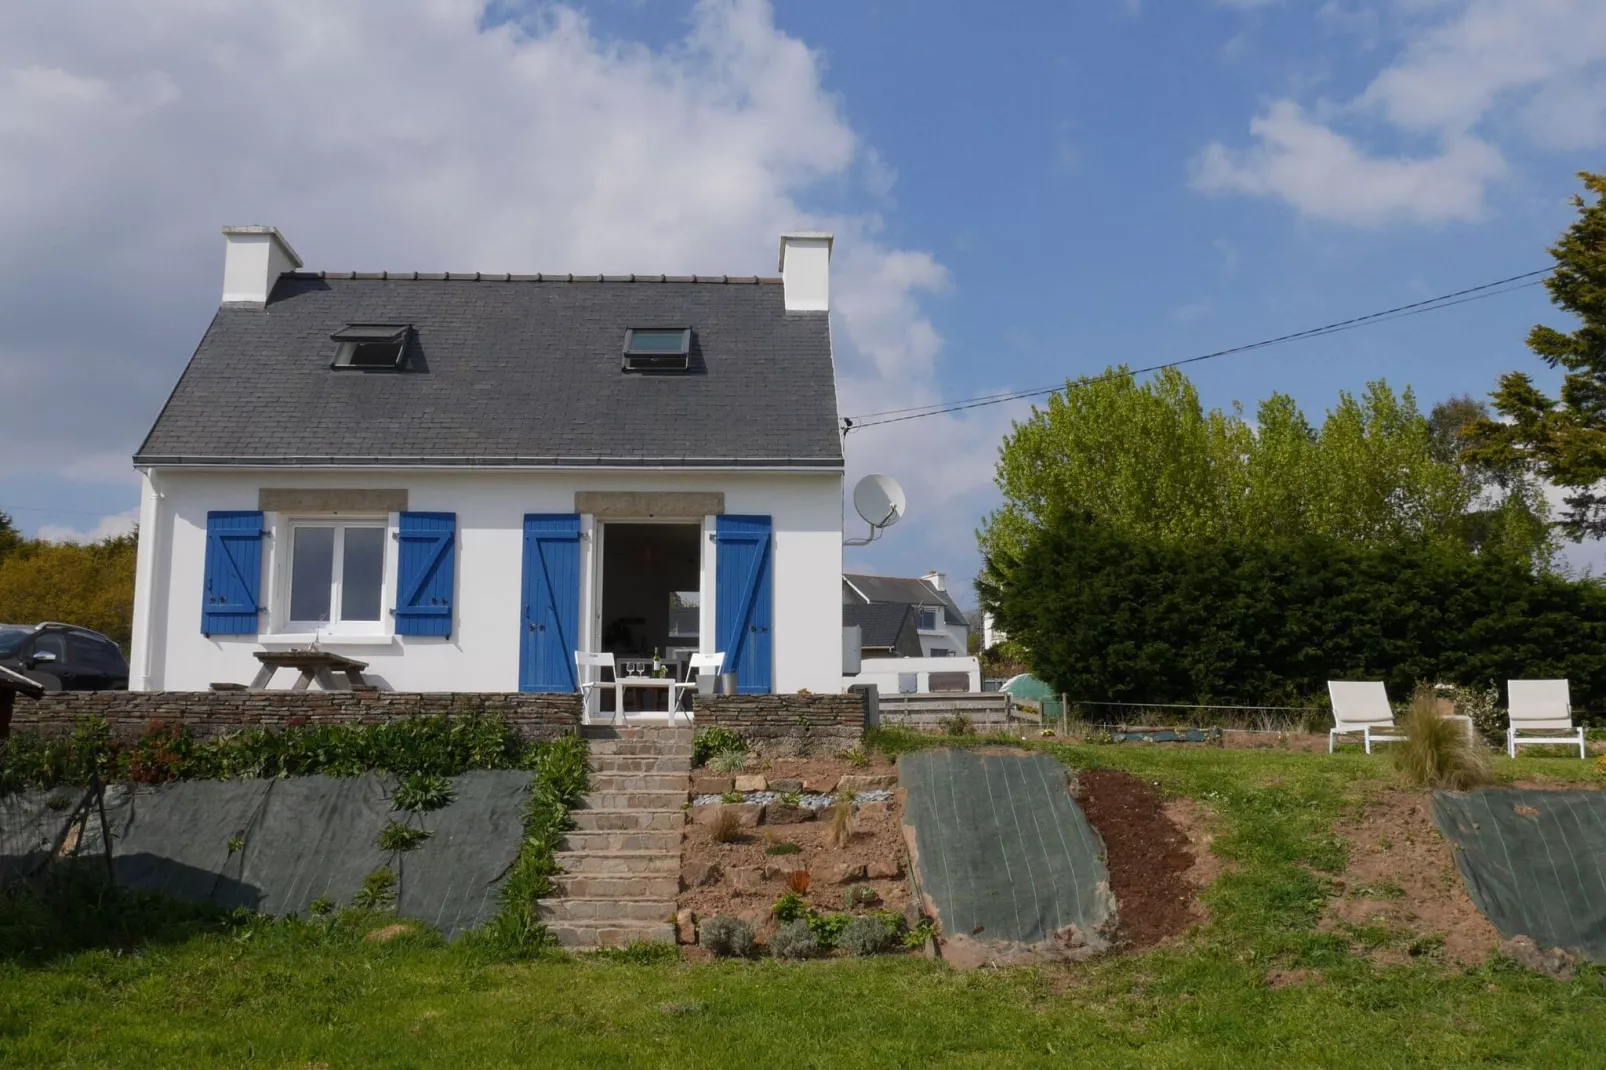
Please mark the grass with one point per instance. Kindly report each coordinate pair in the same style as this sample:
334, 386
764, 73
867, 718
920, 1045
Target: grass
1437, 752
293, 994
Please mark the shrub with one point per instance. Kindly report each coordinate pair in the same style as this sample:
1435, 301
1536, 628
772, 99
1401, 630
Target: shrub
795, 940
726, 828
790, 907
959, 724
856, 757
1483, 706
711, 741
732, 760
421, 792
399, 837
726, 937
561, 777
865, 935
1437, 752
787, 848
860, 895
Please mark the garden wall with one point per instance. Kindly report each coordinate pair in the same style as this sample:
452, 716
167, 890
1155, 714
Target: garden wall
212, 713
787, 726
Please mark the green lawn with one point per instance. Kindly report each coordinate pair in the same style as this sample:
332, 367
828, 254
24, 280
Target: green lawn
293, 995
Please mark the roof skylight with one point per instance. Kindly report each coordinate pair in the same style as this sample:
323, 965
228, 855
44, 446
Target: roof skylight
657, 349
371, 346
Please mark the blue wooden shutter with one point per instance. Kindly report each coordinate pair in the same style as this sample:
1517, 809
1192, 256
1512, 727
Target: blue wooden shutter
229, 597
744, 578
425, 573
551, 620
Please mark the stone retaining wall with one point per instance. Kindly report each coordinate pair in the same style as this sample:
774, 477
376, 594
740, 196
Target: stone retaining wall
787, 726
211, 713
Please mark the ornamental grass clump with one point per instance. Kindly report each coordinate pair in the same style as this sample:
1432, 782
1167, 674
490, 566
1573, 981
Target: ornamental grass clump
727, 937
1438, 752
726, 827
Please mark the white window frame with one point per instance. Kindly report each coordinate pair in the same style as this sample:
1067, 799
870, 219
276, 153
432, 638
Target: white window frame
936, 619
282, 531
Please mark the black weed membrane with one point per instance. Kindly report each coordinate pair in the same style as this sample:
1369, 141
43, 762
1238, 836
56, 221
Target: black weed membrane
1004, 858
1534, 862
295, 845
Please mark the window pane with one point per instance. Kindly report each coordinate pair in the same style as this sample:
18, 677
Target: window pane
362, 571
657, 341
312, 571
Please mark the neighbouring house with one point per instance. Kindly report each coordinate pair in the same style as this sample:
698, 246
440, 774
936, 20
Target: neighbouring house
939, 628
463, 479
913, 637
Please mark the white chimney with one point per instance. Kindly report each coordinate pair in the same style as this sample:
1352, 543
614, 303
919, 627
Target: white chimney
806, 271
253, 260
938, 580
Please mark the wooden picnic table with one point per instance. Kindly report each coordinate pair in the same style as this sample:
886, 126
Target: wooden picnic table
319, 665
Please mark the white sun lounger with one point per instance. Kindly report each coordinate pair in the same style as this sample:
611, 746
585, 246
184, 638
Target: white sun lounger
1541, 706
1361, 706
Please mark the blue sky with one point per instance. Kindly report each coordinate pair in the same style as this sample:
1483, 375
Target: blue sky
1022, 193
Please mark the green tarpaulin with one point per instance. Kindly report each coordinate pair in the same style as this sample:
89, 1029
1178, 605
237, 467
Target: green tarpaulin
1533, 861
1003, 855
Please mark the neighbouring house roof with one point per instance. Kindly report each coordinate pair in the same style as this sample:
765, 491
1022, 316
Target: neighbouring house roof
897, 589
506, 370
885, 626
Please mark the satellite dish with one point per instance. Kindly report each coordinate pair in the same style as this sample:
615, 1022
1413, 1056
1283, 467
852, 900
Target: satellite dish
880, 501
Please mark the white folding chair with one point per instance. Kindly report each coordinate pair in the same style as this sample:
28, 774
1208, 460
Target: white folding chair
584, 661
1361, 706
1541, 706
699, 664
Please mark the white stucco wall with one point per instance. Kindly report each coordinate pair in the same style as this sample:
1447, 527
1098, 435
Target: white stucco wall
482, 654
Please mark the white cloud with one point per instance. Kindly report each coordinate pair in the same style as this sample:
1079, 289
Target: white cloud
1471, 75
408, 134
1327, 176
108, 527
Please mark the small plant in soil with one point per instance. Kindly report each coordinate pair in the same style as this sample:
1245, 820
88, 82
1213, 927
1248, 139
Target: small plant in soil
732, 797
236, 845
712, 741
916, 938
790, 907
58, 801
856, 757
399, 837
421, 792
860, 895
795, 940
378, 890
1437, 752
322, 906
726, 937
827, 927
728, 761
865, 934
798, 881
726, 828
791, 798
786, 848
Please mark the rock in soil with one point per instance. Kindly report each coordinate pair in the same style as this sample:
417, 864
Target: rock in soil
820, 785
786, 785
700, 874
712, 785
782, 814
748, 815
861, 782
1557, 963
846, 873
746, 880
686, 926
883, 870
751, 782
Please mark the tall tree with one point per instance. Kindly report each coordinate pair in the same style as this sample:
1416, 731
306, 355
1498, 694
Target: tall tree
1562, 439
10, 537
1149, 462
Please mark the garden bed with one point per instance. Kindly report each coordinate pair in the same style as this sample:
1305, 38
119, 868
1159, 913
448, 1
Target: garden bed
1148, 855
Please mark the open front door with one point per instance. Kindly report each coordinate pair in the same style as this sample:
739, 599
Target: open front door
551, 622
743, 576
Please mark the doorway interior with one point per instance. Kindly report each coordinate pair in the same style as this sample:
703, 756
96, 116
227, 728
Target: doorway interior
651, 588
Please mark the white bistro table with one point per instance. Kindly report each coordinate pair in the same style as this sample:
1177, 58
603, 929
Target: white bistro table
666, 684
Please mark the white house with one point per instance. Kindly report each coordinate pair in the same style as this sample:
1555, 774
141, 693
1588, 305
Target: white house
463, 479
913, 637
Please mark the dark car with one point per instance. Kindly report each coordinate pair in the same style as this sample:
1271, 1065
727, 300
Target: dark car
63, 657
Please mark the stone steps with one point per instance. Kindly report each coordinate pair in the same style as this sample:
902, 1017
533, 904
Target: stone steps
634, 800
663, 840
624, 783
619, 863
581, 936
637, 764
627, 820
590, 910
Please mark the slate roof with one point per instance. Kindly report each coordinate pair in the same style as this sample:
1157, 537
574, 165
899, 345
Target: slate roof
506, 370
903, 591
885, 626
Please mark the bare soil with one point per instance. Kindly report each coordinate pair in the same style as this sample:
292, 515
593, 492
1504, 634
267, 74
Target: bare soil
1401, 876
1148, 855
738, 891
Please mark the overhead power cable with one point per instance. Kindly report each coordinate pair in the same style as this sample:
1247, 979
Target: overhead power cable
1415, 308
